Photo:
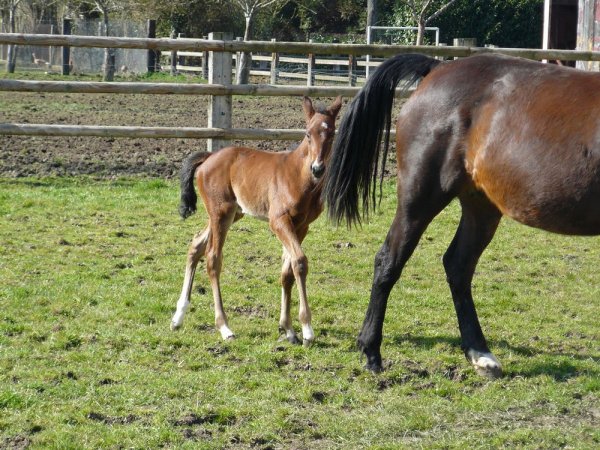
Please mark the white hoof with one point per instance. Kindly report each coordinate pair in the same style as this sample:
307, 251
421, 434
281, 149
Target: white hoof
485, 364
226, 333
308, 336
175, 326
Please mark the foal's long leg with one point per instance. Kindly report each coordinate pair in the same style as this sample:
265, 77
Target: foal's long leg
477, 226
219, 226
287, 281
283, 228
195, 253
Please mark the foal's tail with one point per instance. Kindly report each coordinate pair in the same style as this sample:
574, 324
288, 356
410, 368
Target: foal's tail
187, 207
352, 170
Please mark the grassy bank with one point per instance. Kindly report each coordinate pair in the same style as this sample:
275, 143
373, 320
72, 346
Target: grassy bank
90, 272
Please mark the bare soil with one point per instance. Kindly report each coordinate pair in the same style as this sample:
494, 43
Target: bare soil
114, 157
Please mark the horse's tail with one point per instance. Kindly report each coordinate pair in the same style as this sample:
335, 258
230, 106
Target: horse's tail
187, 207
353, 168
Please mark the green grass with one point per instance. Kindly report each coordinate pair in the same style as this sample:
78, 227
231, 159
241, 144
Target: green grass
90, 272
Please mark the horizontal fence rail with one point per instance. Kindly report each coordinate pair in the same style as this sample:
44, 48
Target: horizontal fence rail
216, 90
87, 87
287, 47
150, 132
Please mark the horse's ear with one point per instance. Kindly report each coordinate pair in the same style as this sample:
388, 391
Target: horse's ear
307, 105
335, 107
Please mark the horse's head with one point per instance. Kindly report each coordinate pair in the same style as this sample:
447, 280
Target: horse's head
320, 131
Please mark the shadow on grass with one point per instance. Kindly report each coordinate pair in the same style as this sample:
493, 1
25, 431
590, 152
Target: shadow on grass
554, 364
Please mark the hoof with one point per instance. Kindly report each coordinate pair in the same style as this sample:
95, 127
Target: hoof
306, 343
288, 335
491, 373
175, 326
485, 364
374, 362
374, 367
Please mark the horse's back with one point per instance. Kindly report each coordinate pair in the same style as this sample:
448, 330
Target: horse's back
524, 133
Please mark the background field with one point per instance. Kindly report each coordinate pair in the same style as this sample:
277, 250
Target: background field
91, 267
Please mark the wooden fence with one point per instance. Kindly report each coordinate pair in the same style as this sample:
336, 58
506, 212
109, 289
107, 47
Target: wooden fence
219, 127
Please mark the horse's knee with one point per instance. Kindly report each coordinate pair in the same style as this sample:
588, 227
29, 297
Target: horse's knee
386, 269
213, 263
300, 266
287, 278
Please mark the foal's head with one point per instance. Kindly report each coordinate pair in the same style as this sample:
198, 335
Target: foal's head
320, 131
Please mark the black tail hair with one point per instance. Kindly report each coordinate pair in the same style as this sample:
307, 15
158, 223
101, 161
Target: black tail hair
353, 168
187, 207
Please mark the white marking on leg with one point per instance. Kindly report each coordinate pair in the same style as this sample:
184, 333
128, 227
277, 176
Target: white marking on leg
183, 303
308, 335
485, 363
182, 306
226, 333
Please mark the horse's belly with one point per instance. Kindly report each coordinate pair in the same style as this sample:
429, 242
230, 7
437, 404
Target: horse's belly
549, 201
255, 207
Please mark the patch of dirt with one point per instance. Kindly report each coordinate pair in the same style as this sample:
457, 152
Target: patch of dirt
112, 157
15, 443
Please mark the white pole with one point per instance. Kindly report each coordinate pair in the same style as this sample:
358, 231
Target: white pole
368, 56
546, 35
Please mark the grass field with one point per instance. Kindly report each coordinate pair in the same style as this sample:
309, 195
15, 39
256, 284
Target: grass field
90, 272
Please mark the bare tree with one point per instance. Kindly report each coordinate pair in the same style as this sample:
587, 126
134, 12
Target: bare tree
250, 8
424, 11
11, 7
371, 12
107, 8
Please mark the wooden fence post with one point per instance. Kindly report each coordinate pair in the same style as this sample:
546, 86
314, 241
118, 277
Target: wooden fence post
352, 69
173, 55
274, 64
310, 79
219, 109
151, 52
205, 62
66, 51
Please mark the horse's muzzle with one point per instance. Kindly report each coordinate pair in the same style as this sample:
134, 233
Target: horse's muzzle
317, 170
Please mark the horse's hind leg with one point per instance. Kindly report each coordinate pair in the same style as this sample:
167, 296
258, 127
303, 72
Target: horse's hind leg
399, 245
477, 226
195, 253
219, 225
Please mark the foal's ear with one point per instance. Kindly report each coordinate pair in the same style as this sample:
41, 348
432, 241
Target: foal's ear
307, 106
335, 107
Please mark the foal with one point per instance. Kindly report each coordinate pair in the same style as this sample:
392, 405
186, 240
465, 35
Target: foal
283, 188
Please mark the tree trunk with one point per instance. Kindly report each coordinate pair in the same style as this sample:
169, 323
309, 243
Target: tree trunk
371, 12
109, 53
242, 73
420, 32
11, 58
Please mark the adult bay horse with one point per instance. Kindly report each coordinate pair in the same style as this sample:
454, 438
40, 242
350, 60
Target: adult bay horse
283, 188
507, 136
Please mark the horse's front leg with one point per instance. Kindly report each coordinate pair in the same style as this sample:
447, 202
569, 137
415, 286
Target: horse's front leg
195, 253
219, 223
287, 281
284, 229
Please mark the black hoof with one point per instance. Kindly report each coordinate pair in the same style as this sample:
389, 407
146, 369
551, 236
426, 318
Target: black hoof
374, 363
